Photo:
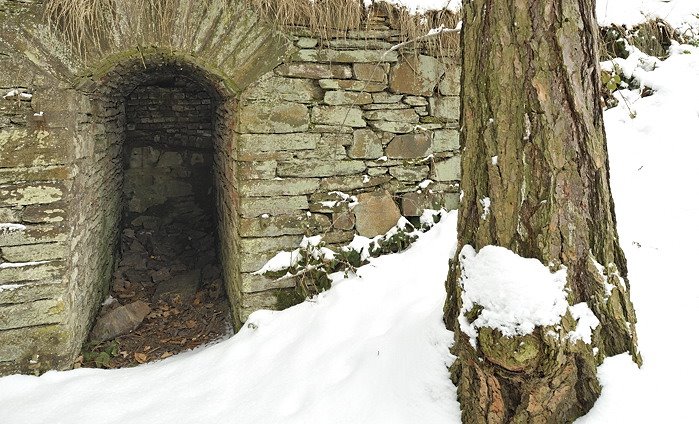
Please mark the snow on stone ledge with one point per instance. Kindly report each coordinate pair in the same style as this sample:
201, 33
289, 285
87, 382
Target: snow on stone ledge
11, 227
517, 294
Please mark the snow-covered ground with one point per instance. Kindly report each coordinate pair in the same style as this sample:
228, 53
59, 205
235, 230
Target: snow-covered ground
374, 348
655, 182
632, 12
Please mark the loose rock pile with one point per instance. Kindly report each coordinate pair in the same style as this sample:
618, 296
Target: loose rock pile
167, 294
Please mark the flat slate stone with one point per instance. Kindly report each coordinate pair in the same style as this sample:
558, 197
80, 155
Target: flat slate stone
182, 285
119, 321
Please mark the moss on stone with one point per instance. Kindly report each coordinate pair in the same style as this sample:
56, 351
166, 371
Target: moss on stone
287, 298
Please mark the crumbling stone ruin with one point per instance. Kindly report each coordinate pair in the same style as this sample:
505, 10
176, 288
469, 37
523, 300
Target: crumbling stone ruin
242, 137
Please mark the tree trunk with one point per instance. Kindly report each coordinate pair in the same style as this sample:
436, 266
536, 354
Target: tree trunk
533, 143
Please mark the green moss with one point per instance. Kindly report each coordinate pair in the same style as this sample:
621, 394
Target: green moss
106, 65
516, 354
287, 298
432, 120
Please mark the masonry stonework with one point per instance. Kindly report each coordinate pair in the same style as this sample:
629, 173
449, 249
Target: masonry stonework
271, 135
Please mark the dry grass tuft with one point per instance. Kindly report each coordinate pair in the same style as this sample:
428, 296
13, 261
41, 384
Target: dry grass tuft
86, 24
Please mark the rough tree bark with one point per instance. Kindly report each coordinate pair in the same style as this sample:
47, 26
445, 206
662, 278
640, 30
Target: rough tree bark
530, 96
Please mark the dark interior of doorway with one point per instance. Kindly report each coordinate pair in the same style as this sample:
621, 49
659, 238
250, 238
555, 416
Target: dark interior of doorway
169, 272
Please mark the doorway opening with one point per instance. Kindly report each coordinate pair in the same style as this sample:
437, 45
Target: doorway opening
168, 292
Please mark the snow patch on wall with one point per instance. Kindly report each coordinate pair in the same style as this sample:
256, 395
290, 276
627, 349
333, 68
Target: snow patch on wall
8, 227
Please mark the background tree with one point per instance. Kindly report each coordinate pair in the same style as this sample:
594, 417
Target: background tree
531, 96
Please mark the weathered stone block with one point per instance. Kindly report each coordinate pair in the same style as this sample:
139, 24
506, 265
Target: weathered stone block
34, 252
343, 220
448, 170
277, 142
31, 271
280, 117
410, 173
272, 87
351, 85
415, 101
331, 129
307, 43
385, 106
338, 237
386, 98
30, 292
344, 56
253, 262
352, 182
281, 205
120, 320
366, 144
445, 140
337, 139
393, 115
48, 311
450, 201
409, 146
413, 204
376, 213
252, 302
336, 98
258, 170
269, 244
30, 193
252, 283
25, 148
35, 173
330, 147
45, 340
447, 108
338, 115
375, 72
281, 225
416, 75
39, 214
377, 170
32, 234
314, 70
320, 168
278, 187
392, 127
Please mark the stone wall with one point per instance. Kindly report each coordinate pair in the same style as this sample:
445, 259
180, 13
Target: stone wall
348, 119
169, 147
281, 126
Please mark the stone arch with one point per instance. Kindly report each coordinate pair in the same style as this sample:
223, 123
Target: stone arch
305, 117
111, 193
64, 132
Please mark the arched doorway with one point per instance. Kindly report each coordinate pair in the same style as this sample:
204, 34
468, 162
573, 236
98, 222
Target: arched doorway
171, 180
